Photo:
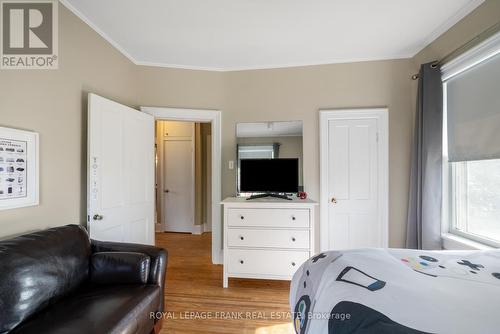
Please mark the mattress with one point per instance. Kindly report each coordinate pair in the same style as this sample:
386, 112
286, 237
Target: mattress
397, 291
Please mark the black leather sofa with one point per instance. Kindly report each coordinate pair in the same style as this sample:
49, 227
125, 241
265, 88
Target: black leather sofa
59, 281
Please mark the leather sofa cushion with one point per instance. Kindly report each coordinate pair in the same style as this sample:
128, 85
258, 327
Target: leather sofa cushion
119, 268
101, 309
158, 256
40, 268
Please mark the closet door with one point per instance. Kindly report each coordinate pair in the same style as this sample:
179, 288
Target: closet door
354, 181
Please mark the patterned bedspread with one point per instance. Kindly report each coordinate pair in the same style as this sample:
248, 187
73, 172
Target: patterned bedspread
397, 291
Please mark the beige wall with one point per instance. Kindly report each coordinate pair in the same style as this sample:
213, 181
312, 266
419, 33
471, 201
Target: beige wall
53, 103
297, 94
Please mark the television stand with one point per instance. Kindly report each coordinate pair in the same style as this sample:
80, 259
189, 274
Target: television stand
269, 195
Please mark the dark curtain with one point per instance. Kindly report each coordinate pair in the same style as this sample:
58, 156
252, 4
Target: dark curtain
424, 209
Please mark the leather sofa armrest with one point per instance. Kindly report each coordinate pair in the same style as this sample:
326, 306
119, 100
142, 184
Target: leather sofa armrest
158, 264
119, 268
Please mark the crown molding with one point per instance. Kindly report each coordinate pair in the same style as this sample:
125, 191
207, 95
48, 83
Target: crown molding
87, 21
274, 66
454, 19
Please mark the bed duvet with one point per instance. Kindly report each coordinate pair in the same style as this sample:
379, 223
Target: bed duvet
397, 291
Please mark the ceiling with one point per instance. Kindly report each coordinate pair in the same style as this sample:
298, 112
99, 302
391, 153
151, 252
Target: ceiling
230, 35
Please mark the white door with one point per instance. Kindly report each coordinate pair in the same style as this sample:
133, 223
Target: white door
356, 185
178, 177
120, 172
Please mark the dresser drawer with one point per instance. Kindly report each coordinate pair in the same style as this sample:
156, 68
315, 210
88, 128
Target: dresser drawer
264, 262
268, 217
268, 238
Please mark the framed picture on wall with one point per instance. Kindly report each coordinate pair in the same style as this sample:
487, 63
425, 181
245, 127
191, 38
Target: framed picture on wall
19, 168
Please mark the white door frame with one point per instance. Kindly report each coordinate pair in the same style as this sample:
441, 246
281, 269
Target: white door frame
214, 118
381, 115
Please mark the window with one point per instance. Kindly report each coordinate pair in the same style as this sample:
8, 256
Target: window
255, 151
266, 151
475, 202
471, 143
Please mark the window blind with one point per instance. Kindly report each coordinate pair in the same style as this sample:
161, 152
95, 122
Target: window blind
473, 112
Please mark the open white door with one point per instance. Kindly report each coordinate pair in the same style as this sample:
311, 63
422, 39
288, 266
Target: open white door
120, 172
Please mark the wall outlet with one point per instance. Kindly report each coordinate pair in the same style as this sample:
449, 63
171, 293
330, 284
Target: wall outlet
231, 164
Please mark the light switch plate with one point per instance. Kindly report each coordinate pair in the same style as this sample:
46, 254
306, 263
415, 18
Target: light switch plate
231, 164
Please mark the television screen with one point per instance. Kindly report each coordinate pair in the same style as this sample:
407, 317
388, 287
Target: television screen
269, 175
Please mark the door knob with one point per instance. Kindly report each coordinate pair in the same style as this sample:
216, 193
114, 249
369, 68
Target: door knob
97, 217
334, 200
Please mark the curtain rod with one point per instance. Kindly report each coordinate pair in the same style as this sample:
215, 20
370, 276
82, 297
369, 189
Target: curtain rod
461, 49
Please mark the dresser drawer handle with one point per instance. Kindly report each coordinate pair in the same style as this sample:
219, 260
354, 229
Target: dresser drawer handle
242, 217
241, 261
293, 217
293, 264
242, 238
293, 239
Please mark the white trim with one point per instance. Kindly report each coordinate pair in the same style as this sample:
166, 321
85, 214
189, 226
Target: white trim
276, 66
214, 117
87, 21
446, 171
450, 22
455, 242
197, 229
483, 51
381, 114
426, 41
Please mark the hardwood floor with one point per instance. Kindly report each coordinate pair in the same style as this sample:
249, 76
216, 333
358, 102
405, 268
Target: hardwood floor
195, 285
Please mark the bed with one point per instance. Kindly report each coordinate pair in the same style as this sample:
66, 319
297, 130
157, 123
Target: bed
397, 291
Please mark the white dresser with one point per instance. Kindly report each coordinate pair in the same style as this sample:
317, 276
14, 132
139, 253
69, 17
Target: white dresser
266, 238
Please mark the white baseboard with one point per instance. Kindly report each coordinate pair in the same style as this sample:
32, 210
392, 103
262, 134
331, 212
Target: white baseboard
197, 229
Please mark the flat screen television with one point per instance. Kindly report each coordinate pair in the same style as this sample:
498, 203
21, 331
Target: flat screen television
269, 176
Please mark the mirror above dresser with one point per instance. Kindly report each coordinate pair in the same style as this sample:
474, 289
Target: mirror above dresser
269, 157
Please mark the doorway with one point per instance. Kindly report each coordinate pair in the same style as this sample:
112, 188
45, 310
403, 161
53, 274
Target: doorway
183, 187
354, 178
212, 117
